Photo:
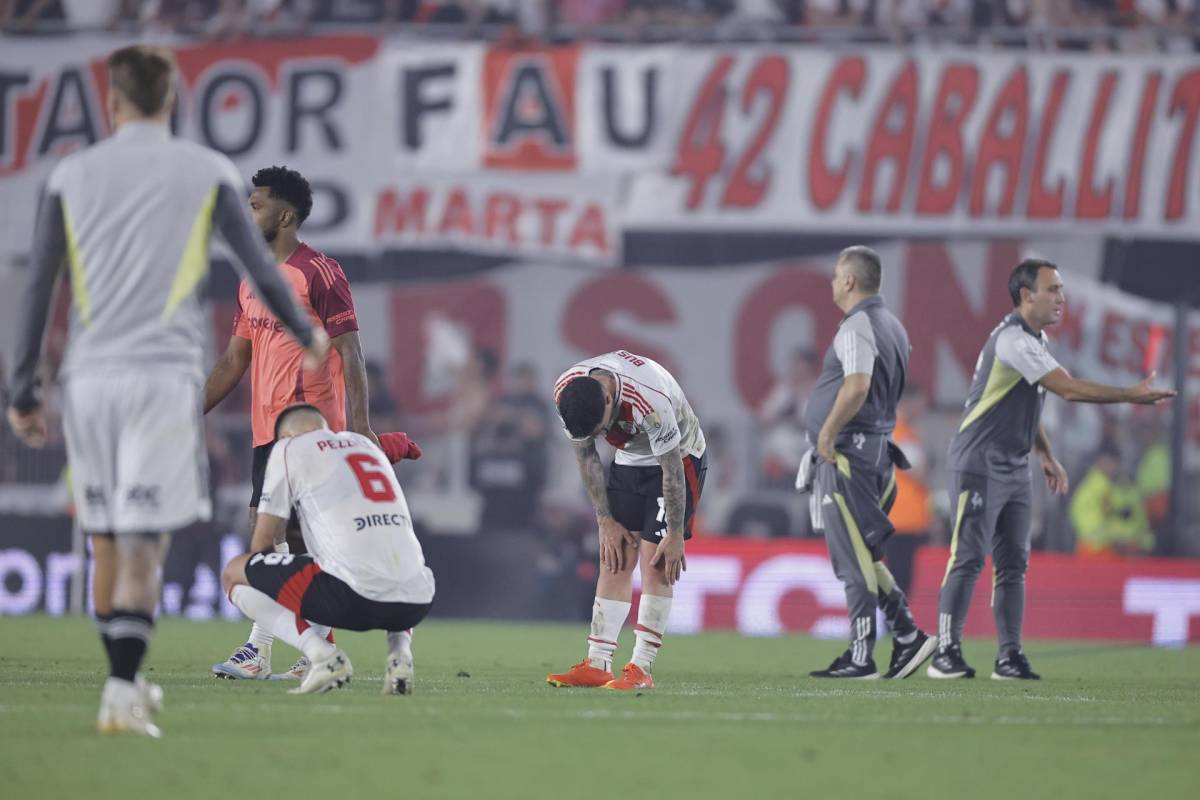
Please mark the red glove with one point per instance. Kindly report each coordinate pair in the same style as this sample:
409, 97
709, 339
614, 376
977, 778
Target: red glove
397, 447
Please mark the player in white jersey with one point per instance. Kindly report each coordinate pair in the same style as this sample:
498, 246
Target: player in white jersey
644, 510
132, 217
364, 569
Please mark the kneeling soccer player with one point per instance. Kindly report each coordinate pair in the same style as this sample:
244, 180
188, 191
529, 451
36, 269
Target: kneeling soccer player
365, 569
644, 511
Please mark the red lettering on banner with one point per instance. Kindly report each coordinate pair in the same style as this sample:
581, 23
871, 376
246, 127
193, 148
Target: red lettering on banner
1010, 111
1185, 98
892, 138
1089, 203
788, 290
932, 283
396, 213
1137, 156
588, 316
500, 213
1069, 330
456, 216
825, 183
770, 78
1047, 203
590, 231
1112, 336
955, 99
477, 306
549, 210
699, 154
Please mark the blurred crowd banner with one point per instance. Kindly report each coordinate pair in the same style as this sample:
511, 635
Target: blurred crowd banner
753, 586
561, 151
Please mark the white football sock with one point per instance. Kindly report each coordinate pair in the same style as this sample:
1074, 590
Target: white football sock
281, 622
259, 637
400, 643
651, 625
607, 618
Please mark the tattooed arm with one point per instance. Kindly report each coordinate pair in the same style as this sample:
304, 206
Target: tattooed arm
674, 498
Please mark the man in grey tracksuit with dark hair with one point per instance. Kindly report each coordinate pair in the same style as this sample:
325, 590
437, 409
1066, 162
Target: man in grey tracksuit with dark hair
989, 458
851, 469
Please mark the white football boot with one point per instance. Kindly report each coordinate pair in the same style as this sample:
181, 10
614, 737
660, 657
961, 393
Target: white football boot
399, 676
152, 693
296, 672
326, 674
123, 709
246, 663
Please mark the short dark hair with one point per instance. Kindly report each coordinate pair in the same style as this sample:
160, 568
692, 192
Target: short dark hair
1024, 276
287, 185
143, 74
868, 269
581, 406
287, 412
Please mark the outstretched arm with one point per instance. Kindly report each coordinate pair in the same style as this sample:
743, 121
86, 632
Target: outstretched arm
1076, 390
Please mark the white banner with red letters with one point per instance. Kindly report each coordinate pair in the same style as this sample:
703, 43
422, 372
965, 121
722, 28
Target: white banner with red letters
663, 138
779, 587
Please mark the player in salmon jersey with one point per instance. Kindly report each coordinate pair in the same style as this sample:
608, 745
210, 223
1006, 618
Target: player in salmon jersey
644, 510
280, 203
364, 569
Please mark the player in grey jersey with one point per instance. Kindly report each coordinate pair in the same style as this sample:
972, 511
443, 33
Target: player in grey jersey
989, 459
851, 470
131, 217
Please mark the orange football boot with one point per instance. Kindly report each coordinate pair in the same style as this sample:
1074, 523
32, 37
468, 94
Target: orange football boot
583, 675
631, 678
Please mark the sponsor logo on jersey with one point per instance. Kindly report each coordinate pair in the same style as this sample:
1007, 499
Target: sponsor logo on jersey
264, 324
666, 435
379, 521
94, 496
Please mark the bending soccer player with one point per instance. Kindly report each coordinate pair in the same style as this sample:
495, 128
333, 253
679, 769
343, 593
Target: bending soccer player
131, 217
364, 569
644, 510
280, 203
853, 406
989, 461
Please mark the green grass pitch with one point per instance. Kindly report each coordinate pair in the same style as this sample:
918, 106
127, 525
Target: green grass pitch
732, 718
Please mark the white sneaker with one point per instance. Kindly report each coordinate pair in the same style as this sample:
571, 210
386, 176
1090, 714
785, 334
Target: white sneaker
123, 710
246, 663
152, 693
399, 676
296, 672
326, 674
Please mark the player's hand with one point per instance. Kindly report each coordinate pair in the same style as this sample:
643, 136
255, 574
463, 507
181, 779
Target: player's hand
825, 448
614, 540
314, 354
30, 426
1056, 476
397, 447
1147, 395
670, 555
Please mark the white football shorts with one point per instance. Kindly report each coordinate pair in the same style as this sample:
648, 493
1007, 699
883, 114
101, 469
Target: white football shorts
135, 447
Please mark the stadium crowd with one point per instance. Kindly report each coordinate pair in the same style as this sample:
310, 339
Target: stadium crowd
1044, 24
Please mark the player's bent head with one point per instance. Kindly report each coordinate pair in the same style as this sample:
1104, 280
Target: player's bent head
581, 406
289, 186
1025, 276
144, 77
863, 263
298, 419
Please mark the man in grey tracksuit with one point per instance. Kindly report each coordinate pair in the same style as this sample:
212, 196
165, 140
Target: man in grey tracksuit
853, 406
989, 460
